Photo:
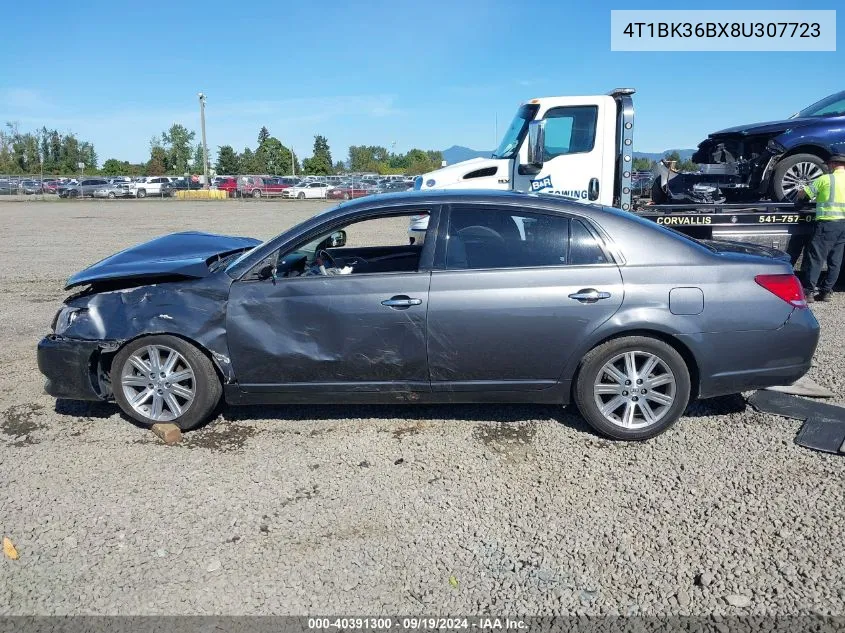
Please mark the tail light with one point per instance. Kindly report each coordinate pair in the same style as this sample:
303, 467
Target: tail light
786, 287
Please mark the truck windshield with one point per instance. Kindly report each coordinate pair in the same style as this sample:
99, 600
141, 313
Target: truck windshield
516, 132
830, 106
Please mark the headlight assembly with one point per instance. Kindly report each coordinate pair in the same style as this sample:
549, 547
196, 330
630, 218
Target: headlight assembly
65, 318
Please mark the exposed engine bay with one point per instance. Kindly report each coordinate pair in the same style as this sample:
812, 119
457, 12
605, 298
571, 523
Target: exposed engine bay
731, 169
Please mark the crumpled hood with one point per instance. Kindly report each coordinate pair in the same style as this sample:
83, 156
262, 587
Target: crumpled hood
772, 127
179, 254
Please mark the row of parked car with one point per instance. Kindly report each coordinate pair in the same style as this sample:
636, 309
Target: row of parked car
330, 187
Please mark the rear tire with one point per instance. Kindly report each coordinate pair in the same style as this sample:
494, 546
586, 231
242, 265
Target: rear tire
794, 172
615, 405
128, 381
256, 193
111, 195
142, 193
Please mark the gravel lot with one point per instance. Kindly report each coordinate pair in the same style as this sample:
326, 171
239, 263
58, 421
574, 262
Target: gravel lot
365, 510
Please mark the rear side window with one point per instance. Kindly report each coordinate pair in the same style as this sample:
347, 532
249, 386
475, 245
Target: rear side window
484, 237
584, 249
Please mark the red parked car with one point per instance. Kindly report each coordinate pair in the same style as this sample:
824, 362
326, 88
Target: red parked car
347, 192
229, 185
257, 186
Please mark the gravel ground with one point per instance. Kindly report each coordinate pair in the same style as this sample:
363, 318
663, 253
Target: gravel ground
357, 510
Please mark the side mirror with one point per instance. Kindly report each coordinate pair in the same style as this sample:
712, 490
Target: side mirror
536, 148
336, 239
267, 272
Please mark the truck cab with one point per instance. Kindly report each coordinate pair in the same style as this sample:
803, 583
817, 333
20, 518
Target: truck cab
579, 148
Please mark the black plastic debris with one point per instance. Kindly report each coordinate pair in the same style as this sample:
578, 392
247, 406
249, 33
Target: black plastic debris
822, 434
824, 424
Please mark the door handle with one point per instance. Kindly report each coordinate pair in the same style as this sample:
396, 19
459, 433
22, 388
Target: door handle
401, 302
589, 295
593, 189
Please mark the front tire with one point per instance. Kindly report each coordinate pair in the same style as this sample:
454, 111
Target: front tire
793, 173
142, 193
111, 195
301, 195
256, 193
632, 388
165, 379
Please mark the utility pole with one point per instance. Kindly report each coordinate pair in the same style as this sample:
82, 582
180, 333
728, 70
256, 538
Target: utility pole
292, 161
204, 145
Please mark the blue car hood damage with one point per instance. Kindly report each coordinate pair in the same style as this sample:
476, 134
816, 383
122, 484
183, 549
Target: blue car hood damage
179, 255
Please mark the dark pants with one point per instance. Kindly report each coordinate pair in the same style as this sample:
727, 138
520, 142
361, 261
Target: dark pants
828, 244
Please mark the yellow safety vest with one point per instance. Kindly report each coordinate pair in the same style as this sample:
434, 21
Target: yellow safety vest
829, 192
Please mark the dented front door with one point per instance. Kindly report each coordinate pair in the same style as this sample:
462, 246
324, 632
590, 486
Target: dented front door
337, 333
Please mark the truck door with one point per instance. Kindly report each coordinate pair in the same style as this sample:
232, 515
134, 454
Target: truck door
580, 150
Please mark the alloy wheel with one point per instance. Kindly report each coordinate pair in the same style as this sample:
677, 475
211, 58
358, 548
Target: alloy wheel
158, 383
634, 390
799, 176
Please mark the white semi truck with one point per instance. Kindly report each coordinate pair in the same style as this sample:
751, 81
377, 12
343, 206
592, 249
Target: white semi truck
581, 148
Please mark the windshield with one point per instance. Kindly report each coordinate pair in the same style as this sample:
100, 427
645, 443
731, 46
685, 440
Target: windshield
829, 106
516, 132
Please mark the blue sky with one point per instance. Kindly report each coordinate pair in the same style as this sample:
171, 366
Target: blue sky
421, 74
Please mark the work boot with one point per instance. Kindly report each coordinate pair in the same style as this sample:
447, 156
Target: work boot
808, 295
825, 295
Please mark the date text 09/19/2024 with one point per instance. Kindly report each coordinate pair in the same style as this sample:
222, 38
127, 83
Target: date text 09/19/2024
417, 623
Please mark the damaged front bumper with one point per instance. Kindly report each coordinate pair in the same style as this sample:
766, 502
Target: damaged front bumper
74, 368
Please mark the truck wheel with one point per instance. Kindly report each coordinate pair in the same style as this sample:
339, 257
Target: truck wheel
165, 379
632, 388
142, 193
793, 173
256, 193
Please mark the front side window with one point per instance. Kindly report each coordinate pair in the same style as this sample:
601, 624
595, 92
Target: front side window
378, 245
483, 237
570, 130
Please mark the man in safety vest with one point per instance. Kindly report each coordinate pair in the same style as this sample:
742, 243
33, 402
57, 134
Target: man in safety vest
828, 243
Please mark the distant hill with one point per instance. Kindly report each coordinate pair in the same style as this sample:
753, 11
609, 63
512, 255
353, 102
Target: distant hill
458, 153
684, 153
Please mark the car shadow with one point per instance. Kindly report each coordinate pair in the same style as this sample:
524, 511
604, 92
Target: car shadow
490, 413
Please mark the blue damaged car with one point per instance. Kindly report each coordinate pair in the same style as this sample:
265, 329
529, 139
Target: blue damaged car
775, 159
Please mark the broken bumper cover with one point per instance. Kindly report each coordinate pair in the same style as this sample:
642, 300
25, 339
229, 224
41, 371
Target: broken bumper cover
70, 366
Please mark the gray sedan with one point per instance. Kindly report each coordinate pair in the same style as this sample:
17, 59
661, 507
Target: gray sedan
509, 298
112, 191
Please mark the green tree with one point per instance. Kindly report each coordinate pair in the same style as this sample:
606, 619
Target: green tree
321, 162
227, 161
157, 165
177, 142
114, 167
339, 167
643, 163
366, 158
197, 165
247, 162
263, 135
274, 158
